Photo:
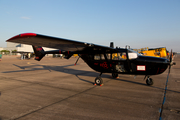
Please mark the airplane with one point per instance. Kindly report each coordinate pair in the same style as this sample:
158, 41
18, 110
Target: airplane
156, 52
100, 58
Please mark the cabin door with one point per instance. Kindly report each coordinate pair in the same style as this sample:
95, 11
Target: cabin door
120, 61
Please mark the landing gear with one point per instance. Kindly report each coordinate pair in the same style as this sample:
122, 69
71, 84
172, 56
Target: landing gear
114, 75
149, 81
98, 80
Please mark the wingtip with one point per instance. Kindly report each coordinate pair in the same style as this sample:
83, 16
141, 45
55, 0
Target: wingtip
22, 35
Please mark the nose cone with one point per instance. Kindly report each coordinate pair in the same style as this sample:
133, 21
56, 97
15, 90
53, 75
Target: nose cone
155, 65
163, 66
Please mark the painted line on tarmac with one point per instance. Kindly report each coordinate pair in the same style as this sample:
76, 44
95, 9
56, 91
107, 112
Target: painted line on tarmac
24, 114
164, 98
43, 107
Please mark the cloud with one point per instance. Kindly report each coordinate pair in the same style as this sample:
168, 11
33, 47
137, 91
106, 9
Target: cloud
24, 17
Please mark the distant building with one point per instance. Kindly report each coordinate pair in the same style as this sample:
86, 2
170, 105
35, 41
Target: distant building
12, 46
1, 48
22, 47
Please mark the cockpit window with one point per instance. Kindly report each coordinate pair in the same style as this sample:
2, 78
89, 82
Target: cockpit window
133, 54
132, 51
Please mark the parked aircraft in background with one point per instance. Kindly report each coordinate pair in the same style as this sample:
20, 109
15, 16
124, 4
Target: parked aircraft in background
155, 52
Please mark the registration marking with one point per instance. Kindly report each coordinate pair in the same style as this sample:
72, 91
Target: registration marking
141, 68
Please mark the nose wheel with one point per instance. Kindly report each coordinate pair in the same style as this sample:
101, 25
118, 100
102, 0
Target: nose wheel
149, 81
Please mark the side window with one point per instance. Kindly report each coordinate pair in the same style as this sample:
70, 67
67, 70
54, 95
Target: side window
123, 56
119, 56
108, 56
102, 57
115, 56
97, 57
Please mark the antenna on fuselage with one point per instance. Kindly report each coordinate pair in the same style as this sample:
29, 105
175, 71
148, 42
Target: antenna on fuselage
111, 44
127, 47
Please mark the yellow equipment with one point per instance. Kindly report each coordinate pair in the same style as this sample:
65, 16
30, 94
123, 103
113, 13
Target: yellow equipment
156, 52
75, 55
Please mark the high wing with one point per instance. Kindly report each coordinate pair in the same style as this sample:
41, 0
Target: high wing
54, 42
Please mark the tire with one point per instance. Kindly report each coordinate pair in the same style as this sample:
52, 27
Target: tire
98, 81
114, 75
149, 81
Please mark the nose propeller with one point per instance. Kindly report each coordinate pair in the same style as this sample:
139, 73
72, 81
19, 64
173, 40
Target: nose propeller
170, 59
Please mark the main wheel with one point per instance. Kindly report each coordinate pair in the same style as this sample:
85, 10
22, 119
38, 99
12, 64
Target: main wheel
149, 81
114, 75
98, 81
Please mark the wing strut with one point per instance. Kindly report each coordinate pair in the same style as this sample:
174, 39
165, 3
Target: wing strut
77, 60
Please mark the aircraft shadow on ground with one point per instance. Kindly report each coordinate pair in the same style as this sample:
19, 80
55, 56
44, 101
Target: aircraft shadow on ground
76, 72
63, 69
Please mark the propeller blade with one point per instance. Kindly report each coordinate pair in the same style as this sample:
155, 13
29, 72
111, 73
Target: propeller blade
170, 58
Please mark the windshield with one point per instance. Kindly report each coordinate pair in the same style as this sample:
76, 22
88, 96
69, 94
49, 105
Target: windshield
133, 54
132, 51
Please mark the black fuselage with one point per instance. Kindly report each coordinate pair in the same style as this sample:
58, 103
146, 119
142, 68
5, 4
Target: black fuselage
142, 65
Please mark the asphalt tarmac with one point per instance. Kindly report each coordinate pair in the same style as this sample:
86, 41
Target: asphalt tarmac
55, 89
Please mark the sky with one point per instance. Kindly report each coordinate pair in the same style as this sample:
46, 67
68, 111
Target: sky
137, 23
